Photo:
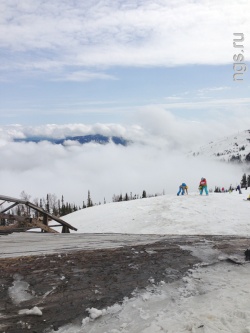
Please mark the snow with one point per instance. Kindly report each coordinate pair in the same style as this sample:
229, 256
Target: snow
210, 298
35, 311
19, 292
227, 148
193, 214
213, 297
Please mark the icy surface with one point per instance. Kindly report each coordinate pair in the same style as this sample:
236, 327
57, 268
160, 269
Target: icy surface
151, 218
19, 292
35, 311
211, 299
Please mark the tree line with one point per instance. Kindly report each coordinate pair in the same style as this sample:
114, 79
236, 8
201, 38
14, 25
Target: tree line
60, 207
50, 204
127, 197
245, 181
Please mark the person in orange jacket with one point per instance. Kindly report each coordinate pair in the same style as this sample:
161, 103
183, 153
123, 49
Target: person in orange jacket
203, 186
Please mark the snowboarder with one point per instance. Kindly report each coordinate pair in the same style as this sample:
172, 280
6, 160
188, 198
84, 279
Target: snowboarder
182, 188
203, 186
238, 189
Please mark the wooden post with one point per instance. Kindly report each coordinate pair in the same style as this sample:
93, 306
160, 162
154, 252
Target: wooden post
45, 221
65, 229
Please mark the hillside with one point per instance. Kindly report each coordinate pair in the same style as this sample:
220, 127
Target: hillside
169, 214
233, 148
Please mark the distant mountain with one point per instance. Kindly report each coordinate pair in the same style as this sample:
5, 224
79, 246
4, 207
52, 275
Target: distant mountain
234, 148
82, 139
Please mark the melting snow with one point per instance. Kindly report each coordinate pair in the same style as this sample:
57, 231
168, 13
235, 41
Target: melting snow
209, 299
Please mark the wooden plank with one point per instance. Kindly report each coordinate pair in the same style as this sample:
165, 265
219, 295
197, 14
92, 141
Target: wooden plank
10, 199
24, 223
45, 219
13, 217
38, 209
38, 224
53, 217
8, 208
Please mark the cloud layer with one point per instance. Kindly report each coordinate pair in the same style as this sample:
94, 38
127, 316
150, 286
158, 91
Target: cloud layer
71, 171
156, 161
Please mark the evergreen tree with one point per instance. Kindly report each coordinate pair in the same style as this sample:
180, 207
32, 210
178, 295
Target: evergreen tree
18, 212
89, 201
59, 207
47, 203
248, 180
144, 194
243, 182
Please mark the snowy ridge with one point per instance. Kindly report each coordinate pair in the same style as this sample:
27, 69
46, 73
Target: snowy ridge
234, 148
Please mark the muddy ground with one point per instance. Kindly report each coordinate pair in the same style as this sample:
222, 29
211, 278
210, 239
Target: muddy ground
65, 284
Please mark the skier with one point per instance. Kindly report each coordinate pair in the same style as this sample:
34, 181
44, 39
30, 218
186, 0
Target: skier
182, 189
203, 186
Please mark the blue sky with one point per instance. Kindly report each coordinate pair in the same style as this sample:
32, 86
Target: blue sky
106, 61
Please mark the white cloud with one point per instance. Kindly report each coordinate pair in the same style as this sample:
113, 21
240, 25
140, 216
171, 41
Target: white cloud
83, 76
156, 161
56, 131
50, 35
71, 171
152, 125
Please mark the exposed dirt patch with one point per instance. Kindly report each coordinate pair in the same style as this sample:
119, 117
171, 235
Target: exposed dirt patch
64, 285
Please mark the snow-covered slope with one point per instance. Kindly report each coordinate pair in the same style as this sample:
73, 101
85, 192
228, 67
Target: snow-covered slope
216, 214
210, 298
235, 148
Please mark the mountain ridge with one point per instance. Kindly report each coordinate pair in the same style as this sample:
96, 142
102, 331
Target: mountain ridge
234, 148
82, 139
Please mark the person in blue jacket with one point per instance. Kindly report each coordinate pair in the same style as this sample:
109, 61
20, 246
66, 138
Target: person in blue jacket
182, 189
